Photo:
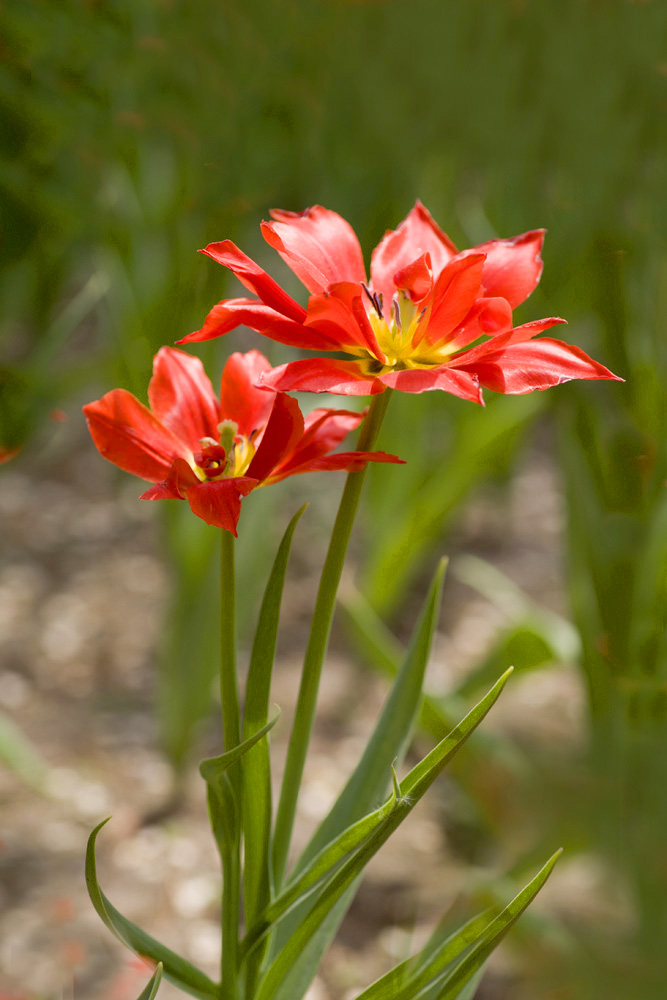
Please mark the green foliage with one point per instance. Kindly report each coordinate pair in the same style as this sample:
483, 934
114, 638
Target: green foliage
150, 992
176, 969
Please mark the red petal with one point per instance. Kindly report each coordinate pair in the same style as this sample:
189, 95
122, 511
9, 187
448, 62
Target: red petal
526, 366
230, 313
416, 235
179, 479
513, 267
283, 430
517, 335
127, 434
323, 431
454, 295
351, 461
323, 375
240, 399
340, 315
451, 380
416, 279
255, 278
319, 246
219, 503
181, 396
487, 317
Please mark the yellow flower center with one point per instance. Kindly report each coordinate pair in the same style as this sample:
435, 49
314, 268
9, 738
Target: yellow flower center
226, 458
396, 335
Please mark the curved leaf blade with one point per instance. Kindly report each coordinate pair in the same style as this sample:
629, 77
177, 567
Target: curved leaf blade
477, 956
151, 988
256, 778
176, 969
288, 963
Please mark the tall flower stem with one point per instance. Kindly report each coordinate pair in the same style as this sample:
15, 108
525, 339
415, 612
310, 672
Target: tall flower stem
318, 641
229, 695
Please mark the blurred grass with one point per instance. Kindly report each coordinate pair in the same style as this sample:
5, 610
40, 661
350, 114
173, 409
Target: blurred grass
134, 132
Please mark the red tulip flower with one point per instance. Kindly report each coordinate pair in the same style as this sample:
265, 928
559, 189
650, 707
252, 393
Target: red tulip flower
212, 452
412, 326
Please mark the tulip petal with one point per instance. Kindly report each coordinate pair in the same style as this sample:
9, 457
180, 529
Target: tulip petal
283, 430
458, 383
517, 335
416, 235
350, 461
127, 434
255, 278
219, 503
323, 375
179, 479
324, 430
319, 246
488, 317
181, 396
416, 279
454, 295
537, 364
240, 399
230, 313
513, 266
340, 315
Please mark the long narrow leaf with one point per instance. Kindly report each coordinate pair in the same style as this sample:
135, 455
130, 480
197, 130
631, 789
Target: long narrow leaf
288, 962
151, 988
257, 770
447, 951
176, 969
496, 930
321, 866
392, 733
367, 786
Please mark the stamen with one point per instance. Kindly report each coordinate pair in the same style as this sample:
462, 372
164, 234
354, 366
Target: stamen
396, 310
369, 294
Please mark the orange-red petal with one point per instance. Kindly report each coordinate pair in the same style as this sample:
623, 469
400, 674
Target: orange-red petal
318, 244
181, 396
513, 266
127, 434
323, 375
537, 364
458, 383
340, 315
416, 235
231, 313
255, 278
283, 430
219, 503
240, 399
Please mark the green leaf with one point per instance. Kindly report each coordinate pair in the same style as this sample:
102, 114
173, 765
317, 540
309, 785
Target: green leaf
321, 866
256, 778
477, 956
445, 953
176, 969
392, 733
367, 785
289, 963
222, 802
150, 992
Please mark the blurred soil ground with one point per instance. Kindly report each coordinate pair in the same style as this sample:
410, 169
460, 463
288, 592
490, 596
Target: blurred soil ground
82, 592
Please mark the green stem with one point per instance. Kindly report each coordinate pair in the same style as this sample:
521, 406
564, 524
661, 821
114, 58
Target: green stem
318, 640
229, 691
229, 695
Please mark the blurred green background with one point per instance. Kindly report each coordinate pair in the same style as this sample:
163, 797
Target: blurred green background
136, 132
